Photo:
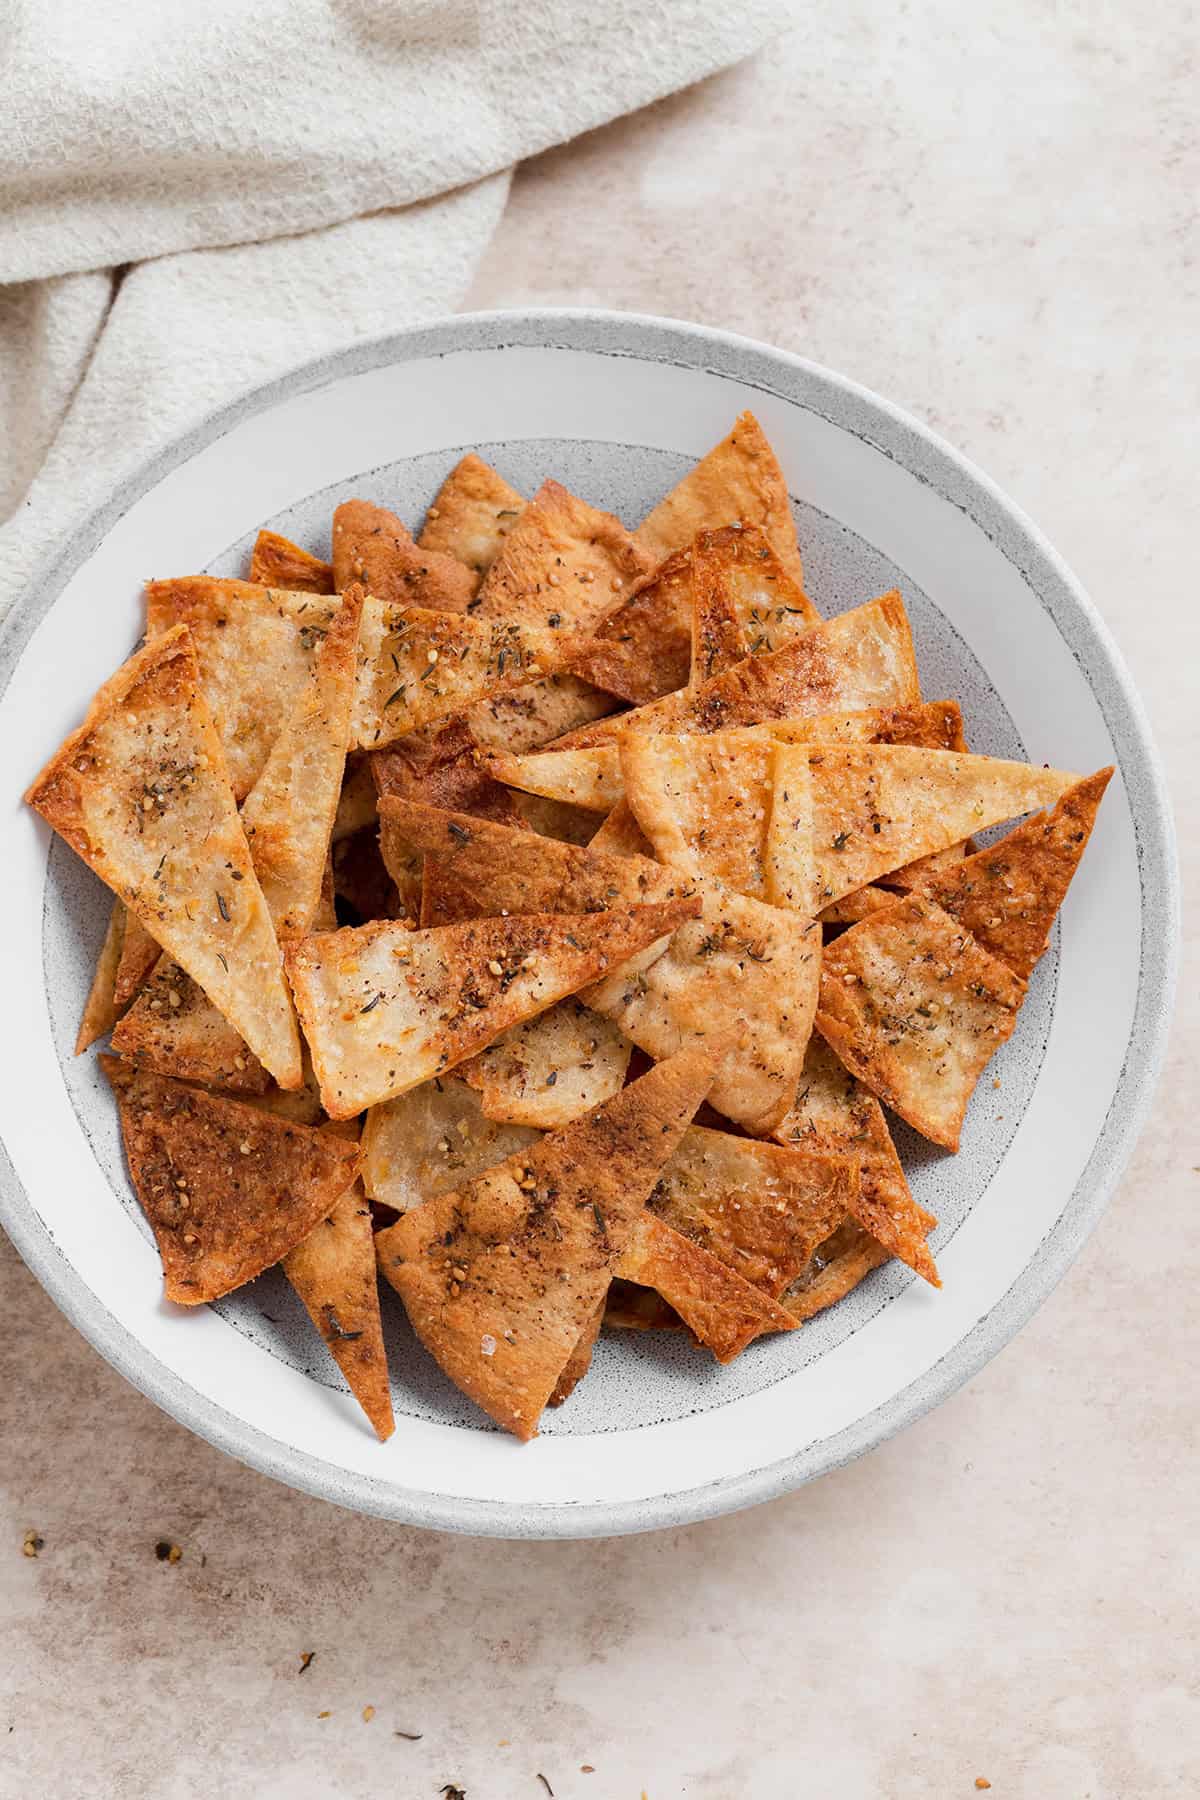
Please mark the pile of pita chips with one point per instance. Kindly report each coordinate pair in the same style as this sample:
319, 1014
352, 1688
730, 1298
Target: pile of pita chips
540, 913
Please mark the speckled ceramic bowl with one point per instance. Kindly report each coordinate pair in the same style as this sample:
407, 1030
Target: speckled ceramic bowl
617, 407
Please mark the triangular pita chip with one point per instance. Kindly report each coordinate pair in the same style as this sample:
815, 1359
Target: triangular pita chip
524, 718
432, 1140
371, 545
417, 666
289, 813
859, 660
276, 562
302, 1104
139, 955
502, 1277
915, 1007
333, 1271
441, 767
579, 1361
760, 1208
721, 1310
385, 1008
739, 482
551, 1069
472, 514
744, 602
563, 564
621, 835
174, 1028
834, 1113
141, 793
555, 818
1008, 896
643, 649
228, 1189
838, 1265
255, 648
587, 778
852, 908
100, 1011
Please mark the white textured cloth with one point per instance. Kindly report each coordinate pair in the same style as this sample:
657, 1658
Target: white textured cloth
195, 197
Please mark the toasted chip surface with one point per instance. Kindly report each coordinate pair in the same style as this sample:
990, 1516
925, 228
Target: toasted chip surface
384, 1008
373, 546
173, 1028
501, 1278
579, 1361
100, 1010
745, 603
255, 648
228, 1189
643, 649
838, 1265
738, 482
278, 563
472, 514
723, 1311
141, 793
139, 954
432, 1140
563, 564
548, 1070
587, 778
333, 1271
514, 720
915, 1007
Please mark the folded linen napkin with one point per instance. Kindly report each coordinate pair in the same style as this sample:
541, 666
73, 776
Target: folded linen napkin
194, 198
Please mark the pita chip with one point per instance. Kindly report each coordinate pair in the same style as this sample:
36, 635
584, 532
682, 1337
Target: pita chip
621, 835
502, 1277
739, 482
744, 601
173, 1028
384, 1008
472, 513
432, 1140
139, 954
100, 1011
643, 649
587, 778
356, 807
555, 818
563, 565
847, 1257
289, 814
915, 1006
372, 546
854, 907
276, 562
254, 647
518, 719
833, 1113
140, 792
630, 1307
333, 1271
580, 1359
440, 767
228, 1189
548, 1070
723, 1311
1008, 896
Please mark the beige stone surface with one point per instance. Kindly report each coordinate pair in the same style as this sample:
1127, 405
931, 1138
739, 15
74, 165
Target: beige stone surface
995, 224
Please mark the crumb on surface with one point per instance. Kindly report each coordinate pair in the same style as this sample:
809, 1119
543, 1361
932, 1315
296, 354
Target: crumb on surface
32, 1543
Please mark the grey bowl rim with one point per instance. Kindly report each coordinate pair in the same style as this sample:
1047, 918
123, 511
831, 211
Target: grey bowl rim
749, 362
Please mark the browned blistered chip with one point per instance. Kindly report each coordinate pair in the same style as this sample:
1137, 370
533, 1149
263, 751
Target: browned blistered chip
472, 513
563, 564
721, 1310
643, 649
333, 1271
174, 1029
385, 1008
738, 482
745, 603
501, 1278
278, 563
837, 1266
371, 545
228, 1189
915, 1007
141, 793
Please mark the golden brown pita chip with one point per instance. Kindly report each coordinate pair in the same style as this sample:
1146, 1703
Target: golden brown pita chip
738, 482
875, 807
385, 1008
278, 563
740, 964
472, 514
643, 649
838, 1265
228, 1189
432, 1140
760, 1208
371, 545
916, 1007
141, 793
302, 1104
621, 835
139, 954
547, 1071
502, 1277
555, 818
862, 659
174, 1028
333, 1271
356, 809
851, 908
100, 1011
834, 1113
255, 648
289, 813
417, 666
579, 1361
721, 1310
1008, 896
563, 565
587, 778
524, 718
441, 767
744, 601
